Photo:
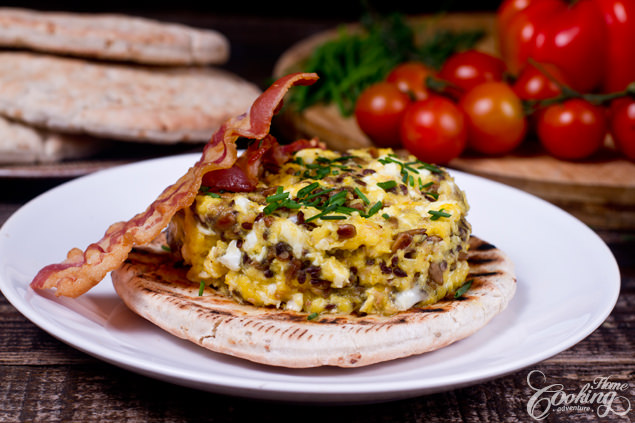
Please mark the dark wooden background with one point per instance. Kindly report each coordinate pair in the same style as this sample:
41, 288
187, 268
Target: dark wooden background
44, 380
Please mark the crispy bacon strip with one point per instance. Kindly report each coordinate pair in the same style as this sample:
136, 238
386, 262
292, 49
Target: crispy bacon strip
244, 175
84, 269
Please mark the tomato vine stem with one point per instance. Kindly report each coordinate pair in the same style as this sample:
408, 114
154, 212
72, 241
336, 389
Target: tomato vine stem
567, 93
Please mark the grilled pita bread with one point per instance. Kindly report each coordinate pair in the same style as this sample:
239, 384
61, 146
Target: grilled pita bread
24, 144
157, 290
162, 105
111, 37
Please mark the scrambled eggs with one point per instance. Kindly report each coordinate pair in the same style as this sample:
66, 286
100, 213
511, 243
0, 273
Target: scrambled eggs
365, 231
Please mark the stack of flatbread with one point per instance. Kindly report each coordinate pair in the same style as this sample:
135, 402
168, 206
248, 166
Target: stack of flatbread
70, 81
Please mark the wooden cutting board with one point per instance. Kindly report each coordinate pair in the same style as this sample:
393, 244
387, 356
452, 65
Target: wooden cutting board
599, 191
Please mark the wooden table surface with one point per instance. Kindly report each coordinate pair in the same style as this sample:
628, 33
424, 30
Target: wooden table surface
44, 380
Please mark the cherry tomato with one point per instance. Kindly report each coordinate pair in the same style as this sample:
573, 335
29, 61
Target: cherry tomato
495, 118
378, 112
622, 125
572, 130
532, 84
410, 77
469, 68
434, 130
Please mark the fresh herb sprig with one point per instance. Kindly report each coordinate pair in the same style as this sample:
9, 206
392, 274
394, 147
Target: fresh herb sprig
354, 60
436, 49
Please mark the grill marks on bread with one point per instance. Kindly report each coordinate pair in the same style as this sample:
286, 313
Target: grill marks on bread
157, 290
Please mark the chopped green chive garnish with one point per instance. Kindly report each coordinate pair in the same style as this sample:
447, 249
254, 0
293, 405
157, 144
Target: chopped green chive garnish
271, 208
278, 200
346, 210
317, 216
330, 206
437, 214
206, 190
166, 248
290, 204
308, 189
361, 195
339, 198
407, 167
374, 209
318, 193
387, 185
385, 216
324, 166
463, 289
312, 316
277, 197
429, 167
201, 288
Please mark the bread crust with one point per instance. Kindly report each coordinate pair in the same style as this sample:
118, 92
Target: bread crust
156, 289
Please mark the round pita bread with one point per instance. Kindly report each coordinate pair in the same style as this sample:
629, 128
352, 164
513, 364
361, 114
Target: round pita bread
157, 290
112, 37
21, 143
163, 105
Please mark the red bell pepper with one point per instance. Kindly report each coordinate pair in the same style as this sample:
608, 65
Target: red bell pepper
619, 17
573, 36
517, 25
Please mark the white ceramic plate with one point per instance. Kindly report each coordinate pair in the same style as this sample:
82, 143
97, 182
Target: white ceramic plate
568, 283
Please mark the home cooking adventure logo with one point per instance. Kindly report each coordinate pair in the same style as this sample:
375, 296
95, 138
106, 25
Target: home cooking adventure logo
602, 396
